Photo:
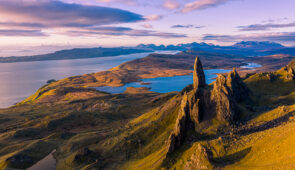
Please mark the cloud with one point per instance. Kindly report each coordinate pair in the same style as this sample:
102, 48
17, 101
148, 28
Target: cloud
127, 2
30, 33
121, 31
277, 36
186, 26
170, 4
202, 4
20, 25
153, 17
57, 14
263, 27
147, 26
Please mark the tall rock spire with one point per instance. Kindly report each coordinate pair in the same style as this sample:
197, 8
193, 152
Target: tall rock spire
199, 76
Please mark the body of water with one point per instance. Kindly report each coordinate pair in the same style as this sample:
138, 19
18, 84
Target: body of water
20, 80
165, 84
251, 66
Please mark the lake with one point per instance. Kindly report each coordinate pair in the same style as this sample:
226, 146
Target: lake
20, 80
165, 84
169, 84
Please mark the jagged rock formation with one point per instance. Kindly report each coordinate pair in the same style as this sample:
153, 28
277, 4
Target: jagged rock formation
291, 74
192, 107
201, 104
200, 159
199, 76
226, 93
239, 89
224, 103
183, 124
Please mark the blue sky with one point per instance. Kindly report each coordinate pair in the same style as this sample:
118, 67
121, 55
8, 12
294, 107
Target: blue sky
57, 24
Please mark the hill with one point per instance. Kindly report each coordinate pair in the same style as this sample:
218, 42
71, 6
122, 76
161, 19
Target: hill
76, 53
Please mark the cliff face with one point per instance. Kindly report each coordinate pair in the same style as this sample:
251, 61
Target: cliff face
291, 74
183, 124
199, 76
226, 93
223, 101
201, 103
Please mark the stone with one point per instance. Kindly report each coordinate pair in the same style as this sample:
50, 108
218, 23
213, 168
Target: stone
200, 159
226, 93
291, 74
183, 123
222, 100
238, 88
199, 76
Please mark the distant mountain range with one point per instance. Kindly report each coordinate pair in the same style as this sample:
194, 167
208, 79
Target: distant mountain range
244, 48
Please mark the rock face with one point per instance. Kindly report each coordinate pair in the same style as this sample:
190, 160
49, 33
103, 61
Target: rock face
291, 74
199, 103
199, 76
183, 124
239, 89
226, 93
222, 100
200, 159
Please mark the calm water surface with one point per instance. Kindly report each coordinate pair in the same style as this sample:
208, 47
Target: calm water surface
20, 80
165, 84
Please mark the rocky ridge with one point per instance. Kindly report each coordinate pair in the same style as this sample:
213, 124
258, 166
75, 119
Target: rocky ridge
204, 103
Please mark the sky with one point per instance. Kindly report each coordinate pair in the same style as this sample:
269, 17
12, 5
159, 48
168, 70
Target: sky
40, 26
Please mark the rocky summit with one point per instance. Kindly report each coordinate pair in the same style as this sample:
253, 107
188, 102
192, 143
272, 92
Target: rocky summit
202, 104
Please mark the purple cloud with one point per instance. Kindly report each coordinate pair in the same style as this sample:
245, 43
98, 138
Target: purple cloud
60, 14
121, 31
30, 33
263, 27
186, 26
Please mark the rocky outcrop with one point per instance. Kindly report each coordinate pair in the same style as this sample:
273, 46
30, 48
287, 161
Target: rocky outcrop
199, 103
200, 159
291, 74
238, 88
183, 124
226, 93
198, 97
222, 100
199, 76
192, 107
